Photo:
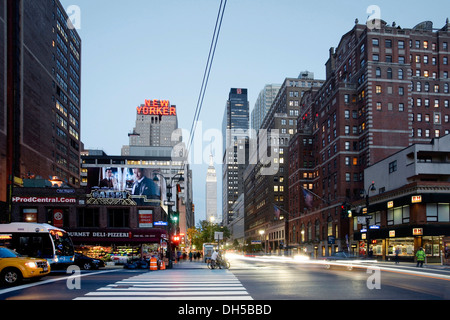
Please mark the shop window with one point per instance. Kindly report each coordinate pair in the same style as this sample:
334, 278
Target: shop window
58, 217
29, 215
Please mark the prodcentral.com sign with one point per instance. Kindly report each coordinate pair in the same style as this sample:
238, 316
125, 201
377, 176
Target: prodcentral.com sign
44, 200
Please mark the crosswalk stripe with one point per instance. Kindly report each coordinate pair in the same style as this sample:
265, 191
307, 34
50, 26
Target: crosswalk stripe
221, 285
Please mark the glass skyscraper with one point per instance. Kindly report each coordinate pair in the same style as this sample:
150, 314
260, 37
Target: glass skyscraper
235, 128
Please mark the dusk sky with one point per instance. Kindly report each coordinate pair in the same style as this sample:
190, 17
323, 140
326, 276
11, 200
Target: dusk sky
147, 49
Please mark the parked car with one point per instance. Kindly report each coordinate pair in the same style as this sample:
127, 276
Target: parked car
342, 255
87, 263
14, 268
342, 259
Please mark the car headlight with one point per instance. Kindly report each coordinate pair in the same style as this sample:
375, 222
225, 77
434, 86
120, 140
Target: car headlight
31, 265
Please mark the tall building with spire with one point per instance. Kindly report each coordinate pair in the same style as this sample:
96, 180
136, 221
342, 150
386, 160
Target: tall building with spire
211, 192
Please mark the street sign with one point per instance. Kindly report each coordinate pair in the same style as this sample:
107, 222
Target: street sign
218, 235
169, 203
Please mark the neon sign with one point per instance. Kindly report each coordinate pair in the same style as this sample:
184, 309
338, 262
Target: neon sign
157, 108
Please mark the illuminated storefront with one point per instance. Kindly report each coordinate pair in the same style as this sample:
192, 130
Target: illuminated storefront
406, 223
102, 224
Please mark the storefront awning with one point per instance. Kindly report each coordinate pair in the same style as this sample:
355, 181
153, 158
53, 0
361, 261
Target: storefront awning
116, 236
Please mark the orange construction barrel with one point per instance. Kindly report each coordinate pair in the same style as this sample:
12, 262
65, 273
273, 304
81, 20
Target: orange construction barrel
153, 264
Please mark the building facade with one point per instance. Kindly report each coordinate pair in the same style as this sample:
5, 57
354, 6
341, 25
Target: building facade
235, 132
266, 190
409, 208
211, 192
386, 89
40, 115
263, 104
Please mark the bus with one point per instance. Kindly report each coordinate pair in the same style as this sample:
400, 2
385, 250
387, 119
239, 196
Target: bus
208, 249
38, 241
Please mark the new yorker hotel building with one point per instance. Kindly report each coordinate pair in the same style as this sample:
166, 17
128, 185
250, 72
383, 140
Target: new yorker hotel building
40, 72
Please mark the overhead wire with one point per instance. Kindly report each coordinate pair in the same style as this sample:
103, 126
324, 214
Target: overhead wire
207, 73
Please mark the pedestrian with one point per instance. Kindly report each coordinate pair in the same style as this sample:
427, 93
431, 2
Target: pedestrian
214, 257
190, 256
397, 253
420, 255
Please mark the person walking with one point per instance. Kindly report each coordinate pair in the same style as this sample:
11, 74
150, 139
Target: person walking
420, 255
397, 253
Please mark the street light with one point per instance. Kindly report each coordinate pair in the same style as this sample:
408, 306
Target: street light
169, 206
368, 217
261, 233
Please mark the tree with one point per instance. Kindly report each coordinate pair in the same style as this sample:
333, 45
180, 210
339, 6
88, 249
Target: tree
204, 233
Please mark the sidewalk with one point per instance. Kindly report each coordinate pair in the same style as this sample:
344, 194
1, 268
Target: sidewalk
436, 266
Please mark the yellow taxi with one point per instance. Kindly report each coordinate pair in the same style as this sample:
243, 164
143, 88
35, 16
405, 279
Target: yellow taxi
14, 268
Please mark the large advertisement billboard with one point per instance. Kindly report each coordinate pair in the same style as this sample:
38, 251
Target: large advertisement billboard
126, 186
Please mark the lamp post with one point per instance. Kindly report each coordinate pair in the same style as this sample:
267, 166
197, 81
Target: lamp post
368, 217
261, 233
169, 206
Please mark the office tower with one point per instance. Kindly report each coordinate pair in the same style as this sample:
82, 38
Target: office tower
263, 104
387, 88
40, 115
235, 130
211, 192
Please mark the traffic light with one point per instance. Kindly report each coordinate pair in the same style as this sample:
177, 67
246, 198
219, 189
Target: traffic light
346, 210
176, 240
175, 216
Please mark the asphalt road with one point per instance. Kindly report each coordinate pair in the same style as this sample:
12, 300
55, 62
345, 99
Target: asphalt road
248, 279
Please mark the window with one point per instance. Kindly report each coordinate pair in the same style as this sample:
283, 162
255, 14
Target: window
437, 118
438, 212
347, 145
389, 73
398, 215
393, 166
118, 218
378, 89
88, 218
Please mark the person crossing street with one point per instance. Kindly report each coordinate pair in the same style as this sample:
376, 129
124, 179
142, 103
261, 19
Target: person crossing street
420, 255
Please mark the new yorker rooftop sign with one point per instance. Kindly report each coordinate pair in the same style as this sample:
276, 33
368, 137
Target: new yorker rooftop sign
157, 108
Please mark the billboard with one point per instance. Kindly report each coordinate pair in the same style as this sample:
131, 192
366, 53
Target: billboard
126, 186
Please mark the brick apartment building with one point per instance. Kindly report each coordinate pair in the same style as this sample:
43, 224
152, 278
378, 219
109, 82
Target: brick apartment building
267, 193
386, 88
